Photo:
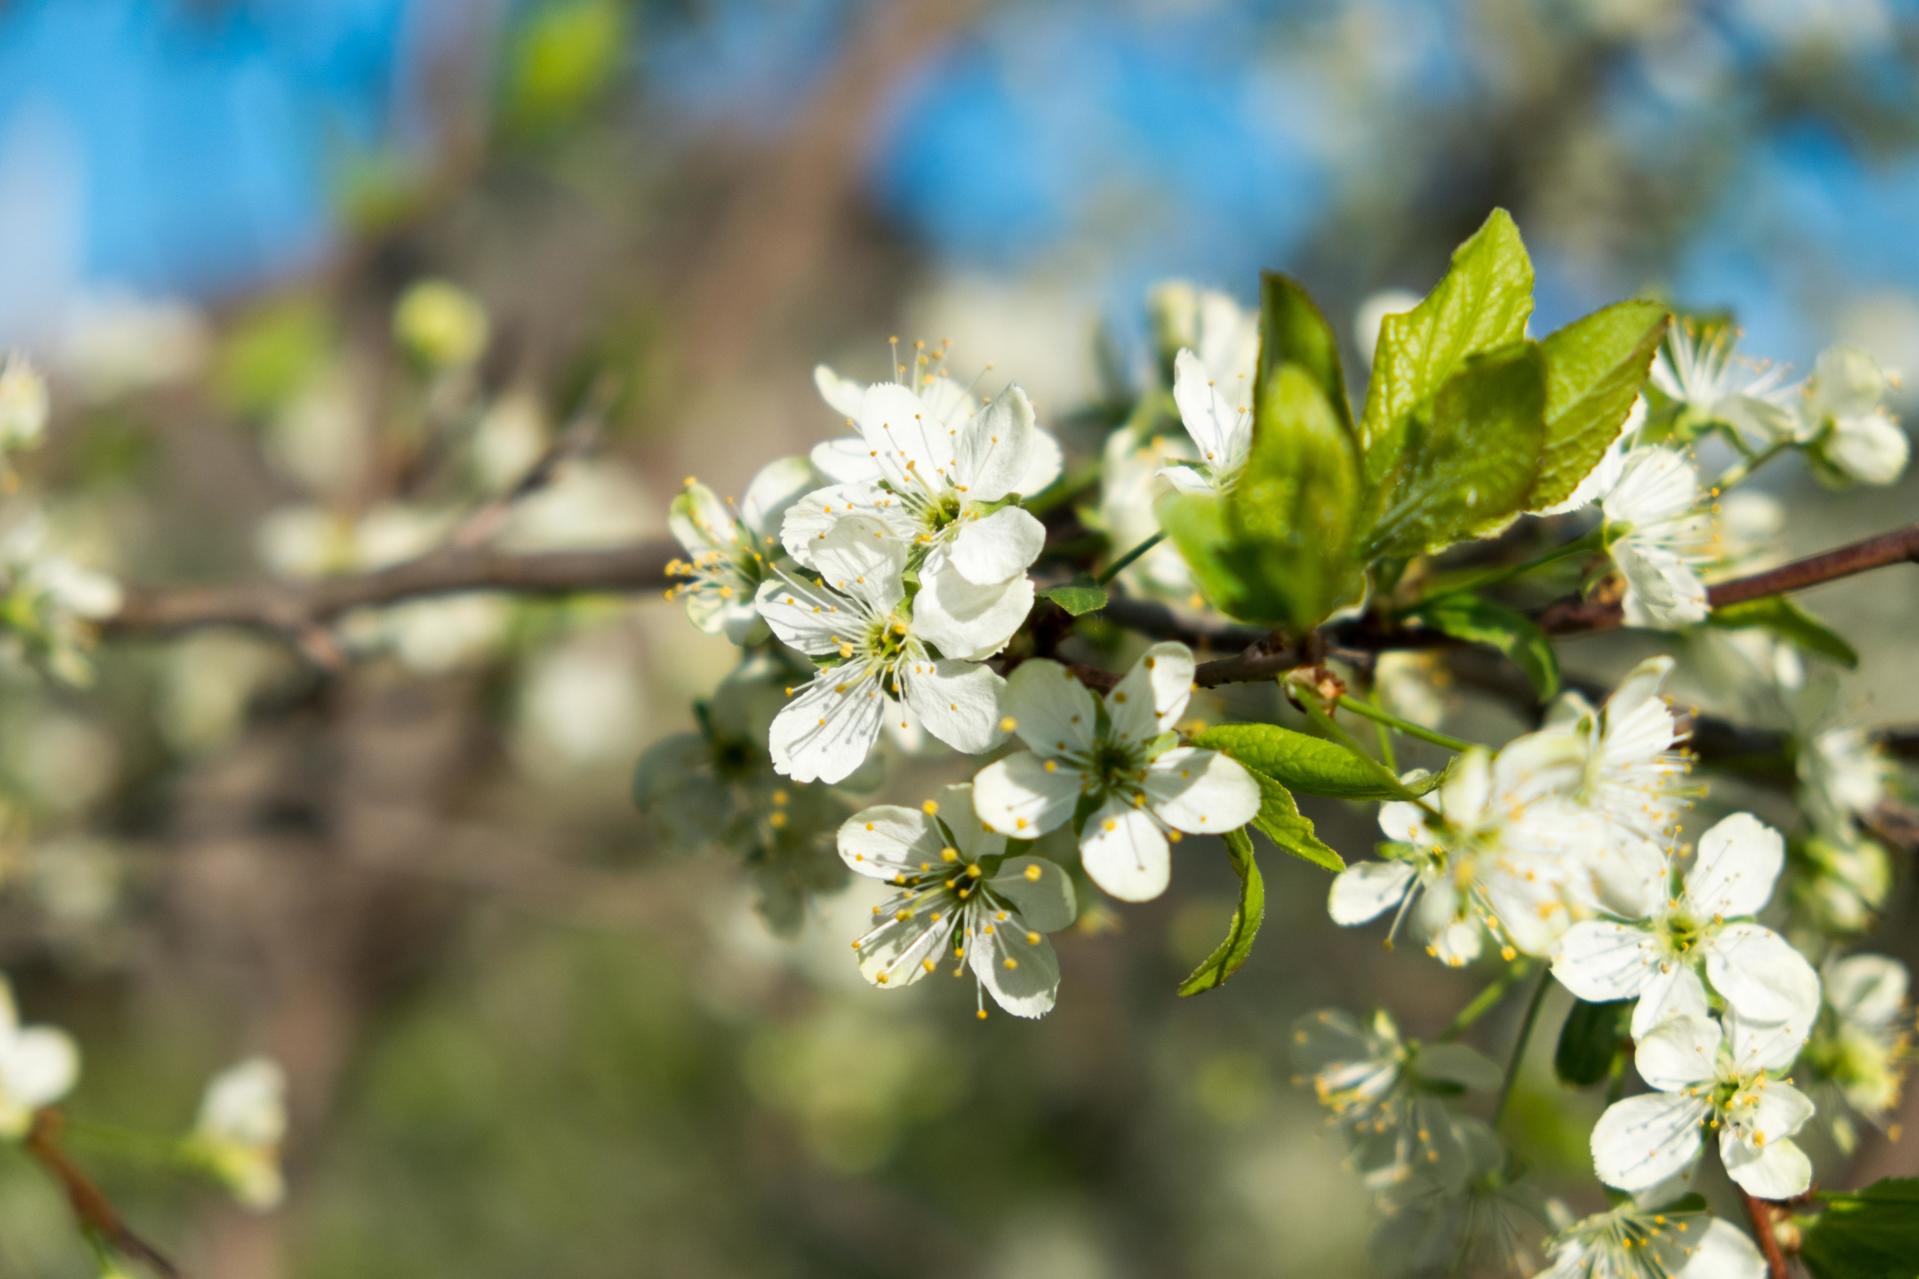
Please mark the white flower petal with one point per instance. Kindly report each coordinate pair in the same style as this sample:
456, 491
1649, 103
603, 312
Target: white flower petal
1201, 791
1761, 976
700, 521
957, 702
967, 621
1040, 890
1002, 545
38, 1066
1151, 696
1674, 991
808, 618
995, 449
1366, 890
1739, 861
825, 732
1601, 961
861, 560
1655, 484
1021, 797
1642, 1141
910, 447
1663, 590
1776, 1170
1870, 448
1220, 430
1124, 852
778, 485
1044, 460
1765, 1045
1017, 967
1680, 1052
1867, 990
885, 840
957, 812
1723, 1251
1185, 479
1458, 1064
842, 395
1052, 711
807, 522
844, 461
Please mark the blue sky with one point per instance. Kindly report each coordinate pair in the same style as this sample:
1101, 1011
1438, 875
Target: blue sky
178, 148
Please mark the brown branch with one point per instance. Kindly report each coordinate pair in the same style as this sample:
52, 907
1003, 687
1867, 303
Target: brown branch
295, 608
1759, 1212
91, 1207
1901, 546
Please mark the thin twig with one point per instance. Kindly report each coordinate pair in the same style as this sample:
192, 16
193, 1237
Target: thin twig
91, 1207
1759, 1212
576, 437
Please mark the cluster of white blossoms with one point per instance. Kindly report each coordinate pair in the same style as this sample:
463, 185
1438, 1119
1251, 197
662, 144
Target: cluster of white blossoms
895, 563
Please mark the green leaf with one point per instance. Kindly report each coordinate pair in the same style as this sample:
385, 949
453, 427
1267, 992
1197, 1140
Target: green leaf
1590, 1042
1481, 621
1298, 761
1482, 303
1468, 470
1594, 369
1869, 1234
1277, 549
1079, 597
1247, 916
1293, 330
1280, 820
1789, 621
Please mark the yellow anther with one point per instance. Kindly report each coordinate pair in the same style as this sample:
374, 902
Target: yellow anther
930, 807
1032, 872
1007, 724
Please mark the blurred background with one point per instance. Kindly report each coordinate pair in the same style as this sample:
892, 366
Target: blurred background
523, 1035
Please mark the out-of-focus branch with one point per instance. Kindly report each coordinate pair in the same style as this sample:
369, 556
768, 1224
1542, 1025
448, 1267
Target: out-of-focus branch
91, 1207
296, 608
1759, 1212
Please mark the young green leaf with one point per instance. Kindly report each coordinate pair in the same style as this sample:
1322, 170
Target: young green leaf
1247, 917
1298, 761
1791, 622
1468, 469
1078, 597
1293, 330
1280, 820
1594, 369
1277, 549
1868, 1234
1482, 303
1481, 621
1590, 1042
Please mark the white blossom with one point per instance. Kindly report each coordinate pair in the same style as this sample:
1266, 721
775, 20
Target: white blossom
1659, 532
1635, 1242
1862, 1048
237, 1136
959, 897
1389, 1095
872, 653
1119, 757
1707, 1078
23, 404
1130, 485
1219, 331
1622, 763
1219, 418
1844, 774
1709, 379
38, 1066
1705, 929
1467, 860
1852, 436
940, 485
727, 549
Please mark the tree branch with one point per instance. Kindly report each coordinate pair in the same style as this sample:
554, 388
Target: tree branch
1759, 1212
293, 608
1901, 546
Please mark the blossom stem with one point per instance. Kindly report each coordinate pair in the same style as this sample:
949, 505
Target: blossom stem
1125, 561
1389, 720
1485, 1001
1492, 577
1760, 1213
1324, 722
1518, 1057
1742, 470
